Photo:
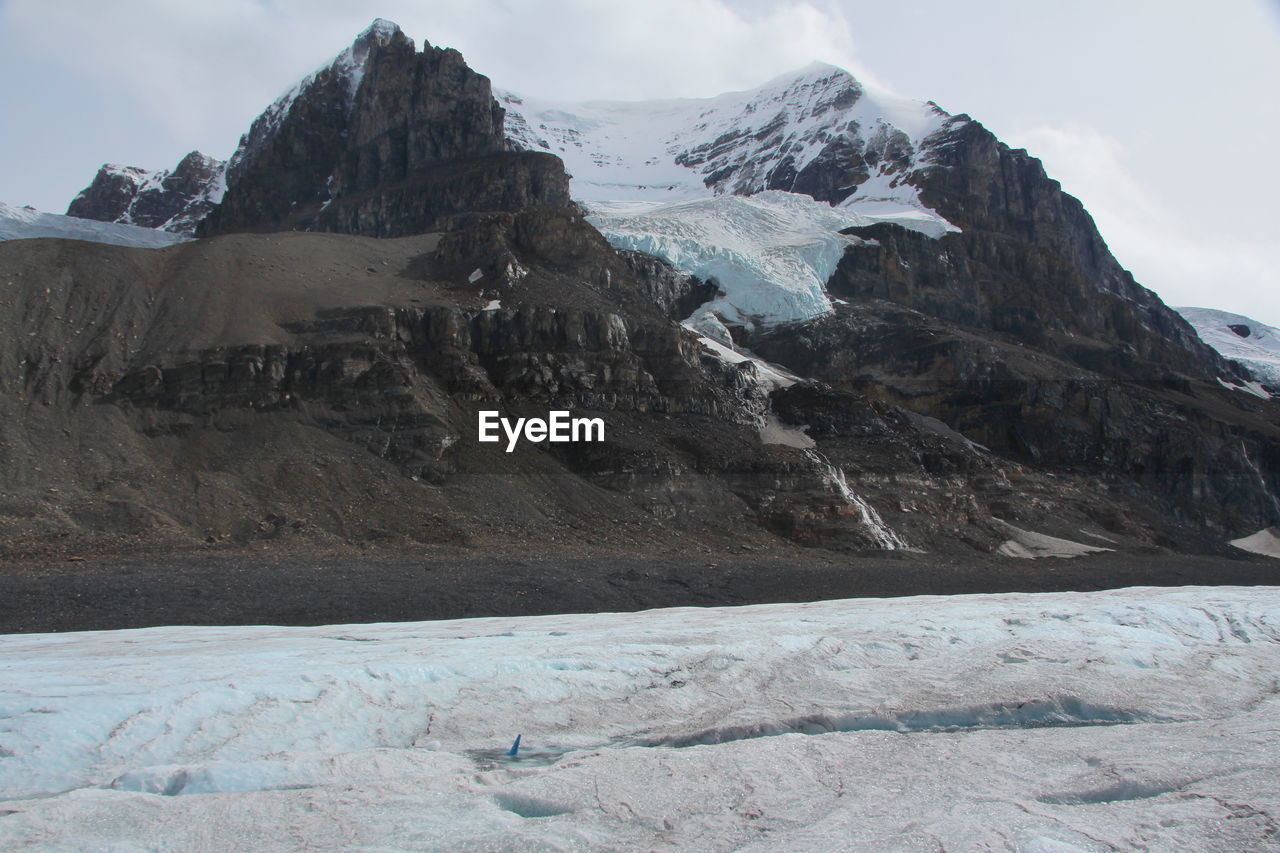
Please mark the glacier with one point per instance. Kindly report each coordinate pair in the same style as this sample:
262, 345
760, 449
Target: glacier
770, 254
1126, 719
27, 223
717, 187
1258, 348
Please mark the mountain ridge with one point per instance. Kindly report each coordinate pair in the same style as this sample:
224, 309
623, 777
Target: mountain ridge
397, 266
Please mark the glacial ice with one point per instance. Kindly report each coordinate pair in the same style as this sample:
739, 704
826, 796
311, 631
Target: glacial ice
26, 223
771, 253
1258, 350
1127, 719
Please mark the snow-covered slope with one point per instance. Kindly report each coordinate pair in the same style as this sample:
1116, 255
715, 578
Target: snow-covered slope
668, 178
22, 223
794, 133
1253, 344
1130, 719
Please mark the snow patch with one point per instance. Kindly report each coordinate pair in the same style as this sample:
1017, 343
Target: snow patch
1266, 542
1248, 387
1029, 545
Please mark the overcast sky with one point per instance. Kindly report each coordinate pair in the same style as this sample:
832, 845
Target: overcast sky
1160, 115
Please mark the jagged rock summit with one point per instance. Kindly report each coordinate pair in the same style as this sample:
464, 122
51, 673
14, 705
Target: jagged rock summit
170, 200
385, 141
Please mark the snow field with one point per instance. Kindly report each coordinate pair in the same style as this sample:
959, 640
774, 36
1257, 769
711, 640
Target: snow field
1132, 718
26, 223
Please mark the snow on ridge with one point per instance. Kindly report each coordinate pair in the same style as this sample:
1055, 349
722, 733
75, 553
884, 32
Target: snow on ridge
26, 223
687, 180
1257, 349
678, 149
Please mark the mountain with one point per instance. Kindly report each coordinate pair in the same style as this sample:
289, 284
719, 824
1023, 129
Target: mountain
1247, 341
171, 200
809, 314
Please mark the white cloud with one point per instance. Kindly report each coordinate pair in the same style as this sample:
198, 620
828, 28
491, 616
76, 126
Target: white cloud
193, 65
1206, 262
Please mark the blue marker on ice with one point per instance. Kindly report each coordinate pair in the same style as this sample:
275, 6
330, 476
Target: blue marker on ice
514, 751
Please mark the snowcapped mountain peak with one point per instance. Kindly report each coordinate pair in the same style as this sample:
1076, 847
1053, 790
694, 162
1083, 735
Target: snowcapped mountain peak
169, 199
815, 131
355, 58
669, 177
381, 30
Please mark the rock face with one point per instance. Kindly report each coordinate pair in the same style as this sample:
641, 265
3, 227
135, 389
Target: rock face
386, 141
175, 200
987, 188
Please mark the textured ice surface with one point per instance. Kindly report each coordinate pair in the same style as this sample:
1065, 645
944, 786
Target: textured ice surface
24, 223
1130, 719
770, 253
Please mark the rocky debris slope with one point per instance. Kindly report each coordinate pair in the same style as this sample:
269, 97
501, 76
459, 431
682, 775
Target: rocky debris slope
325, 388
170, 200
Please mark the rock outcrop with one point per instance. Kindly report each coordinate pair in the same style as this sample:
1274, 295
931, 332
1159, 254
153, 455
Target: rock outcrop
171, 200
987, 188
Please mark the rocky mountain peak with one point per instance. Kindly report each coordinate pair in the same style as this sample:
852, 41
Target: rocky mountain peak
168, 199
361, 146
